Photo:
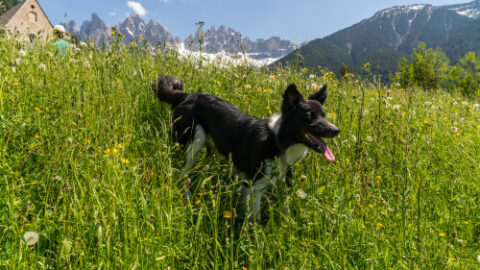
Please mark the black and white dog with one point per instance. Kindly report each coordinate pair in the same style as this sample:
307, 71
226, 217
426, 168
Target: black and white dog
255, 145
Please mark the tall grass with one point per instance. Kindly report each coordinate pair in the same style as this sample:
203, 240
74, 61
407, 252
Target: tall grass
87, 162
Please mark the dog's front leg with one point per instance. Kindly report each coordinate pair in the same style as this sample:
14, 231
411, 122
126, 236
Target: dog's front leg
251, 198
193, 150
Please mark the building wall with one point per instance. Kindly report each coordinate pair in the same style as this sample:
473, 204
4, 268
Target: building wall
30, 21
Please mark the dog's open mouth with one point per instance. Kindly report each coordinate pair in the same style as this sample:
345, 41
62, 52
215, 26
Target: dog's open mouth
321, 146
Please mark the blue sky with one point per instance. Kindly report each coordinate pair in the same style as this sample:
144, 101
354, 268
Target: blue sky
297, 21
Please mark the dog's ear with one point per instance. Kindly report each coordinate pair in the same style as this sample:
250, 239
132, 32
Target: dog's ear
320, 95
291, 96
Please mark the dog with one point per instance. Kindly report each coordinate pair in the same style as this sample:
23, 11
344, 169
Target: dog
255, 145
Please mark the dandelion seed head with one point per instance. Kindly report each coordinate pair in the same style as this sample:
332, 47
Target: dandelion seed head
31, 238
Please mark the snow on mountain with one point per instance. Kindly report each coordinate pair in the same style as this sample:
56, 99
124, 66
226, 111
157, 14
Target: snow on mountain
471, 10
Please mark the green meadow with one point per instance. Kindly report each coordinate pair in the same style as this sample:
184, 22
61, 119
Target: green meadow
89, 169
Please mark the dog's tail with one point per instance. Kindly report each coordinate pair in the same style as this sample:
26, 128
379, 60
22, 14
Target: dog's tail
169, 89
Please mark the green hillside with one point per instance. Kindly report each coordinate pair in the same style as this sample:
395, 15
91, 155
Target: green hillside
90, 178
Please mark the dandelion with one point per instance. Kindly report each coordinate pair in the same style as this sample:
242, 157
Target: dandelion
107, 151
42, 67
88, 141
37, 136
367, 64
119, 146
478, 127
390, 123
378, 177
244, 268
69, 140
370, 205
442, 234
301, 194
83, 44
141, 35
227, 214
133, 43
114, 150
273, 76
197, 202
333, 115
31, 238
311, 76
451, 259
247, 86
426, 122
21, 53
125, 161
267, 108
379, 225
37, 109
74, 123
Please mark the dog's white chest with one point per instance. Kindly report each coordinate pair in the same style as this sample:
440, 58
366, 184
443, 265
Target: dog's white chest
295, 153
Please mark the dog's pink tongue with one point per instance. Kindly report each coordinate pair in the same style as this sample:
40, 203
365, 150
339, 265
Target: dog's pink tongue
327, 153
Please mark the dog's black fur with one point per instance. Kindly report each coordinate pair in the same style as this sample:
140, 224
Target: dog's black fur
247, 139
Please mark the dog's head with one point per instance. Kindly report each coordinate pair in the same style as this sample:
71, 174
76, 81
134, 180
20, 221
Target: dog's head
303, 120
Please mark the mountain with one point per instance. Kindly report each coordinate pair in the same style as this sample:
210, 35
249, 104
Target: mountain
227, 39
134, 26
223, 39
95, 29
389, 35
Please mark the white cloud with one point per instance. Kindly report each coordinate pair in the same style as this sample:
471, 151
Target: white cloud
137, 8
113, 13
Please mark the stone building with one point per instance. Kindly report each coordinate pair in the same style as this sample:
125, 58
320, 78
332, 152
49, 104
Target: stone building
27, 20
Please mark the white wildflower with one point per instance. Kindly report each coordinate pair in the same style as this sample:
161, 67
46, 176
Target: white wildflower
42, 67
311, 76
478, 258
428, 103
455, 103
21, 53
314, 86
354, 138
465, 103
248, 86
476, 107
454, 129
83, 44
18, 61
49, 54
396, 107
77, 50
31, 238
301, 194
14, 69
86, 64
369, 138
70, 140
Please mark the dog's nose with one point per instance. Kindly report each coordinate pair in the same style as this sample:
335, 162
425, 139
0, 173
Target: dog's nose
335, 132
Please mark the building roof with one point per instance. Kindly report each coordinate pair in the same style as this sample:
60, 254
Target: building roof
9, 14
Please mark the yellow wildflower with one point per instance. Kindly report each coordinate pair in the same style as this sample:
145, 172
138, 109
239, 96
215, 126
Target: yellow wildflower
141, 35
379, 177
107, 151
379, 225
333, 115
227, 214
114, 150
390, 123
88, 141
404, 113
370, 205
267, 108
125, 161
197, 202
133, 43
15, 83
37, 136
37, 109
442, 234
426, 121
47, 109
366, 65
451, 259
119, 146
73, 123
